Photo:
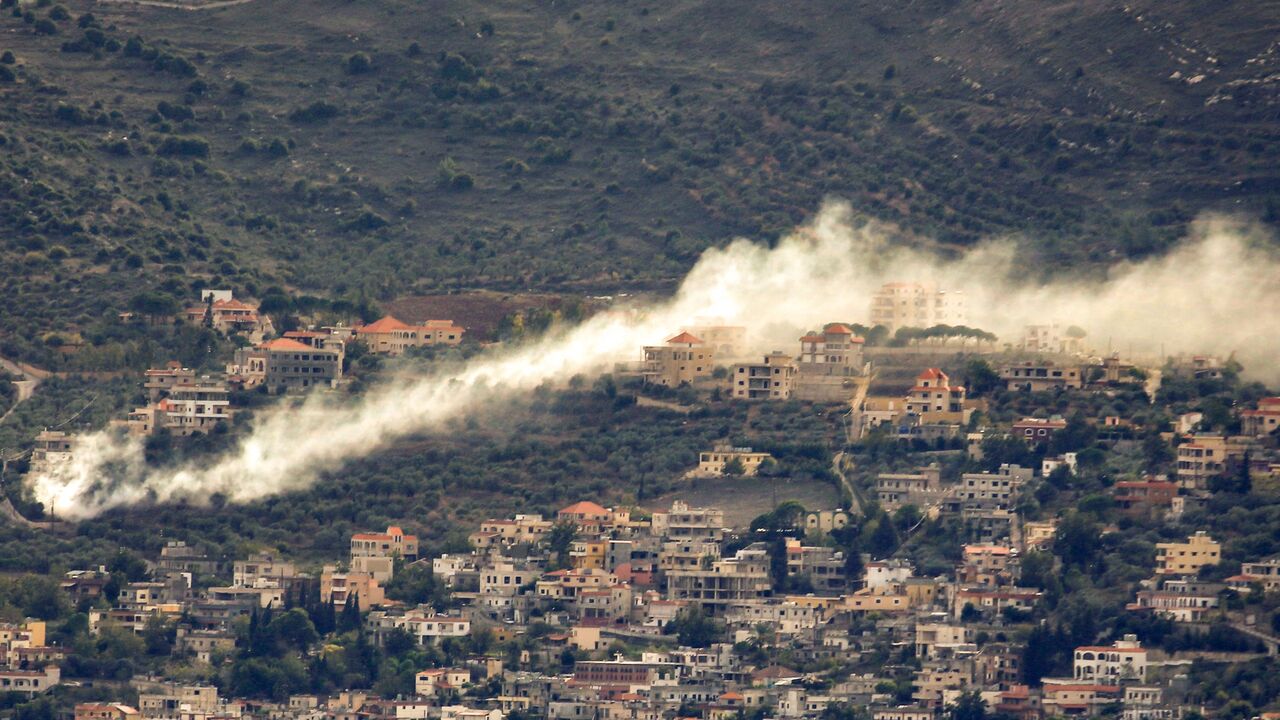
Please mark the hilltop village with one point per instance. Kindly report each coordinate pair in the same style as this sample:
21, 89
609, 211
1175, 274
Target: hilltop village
1017, 528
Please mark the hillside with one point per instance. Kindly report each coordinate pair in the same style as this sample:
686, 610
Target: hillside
369, 150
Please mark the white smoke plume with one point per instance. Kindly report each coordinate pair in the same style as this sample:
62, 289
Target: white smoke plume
1219, 291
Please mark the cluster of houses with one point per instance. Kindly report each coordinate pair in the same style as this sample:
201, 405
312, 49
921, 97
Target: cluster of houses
590, 599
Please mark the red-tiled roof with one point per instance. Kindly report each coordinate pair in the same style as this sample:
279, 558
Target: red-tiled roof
837, 329
930, 374
284, 344
584, 507
382, 325
685, 338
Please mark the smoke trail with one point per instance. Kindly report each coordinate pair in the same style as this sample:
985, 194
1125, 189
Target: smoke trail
1219, 291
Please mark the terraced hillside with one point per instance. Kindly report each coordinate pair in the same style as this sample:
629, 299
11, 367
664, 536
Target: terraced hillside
374, 148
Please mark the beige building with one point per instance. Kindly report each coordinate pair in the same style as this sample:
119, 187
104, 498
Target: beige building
195, 405
727, 581
726, 341
286, 364
713, 463
934, 397
338, 586
828, 363
682, 522
921, 489
770, 379
902, 304
1051, 338
53, 449
171, 700
1187, 558
390, 336
684, 359
1041, 376
105, 711
1204, 457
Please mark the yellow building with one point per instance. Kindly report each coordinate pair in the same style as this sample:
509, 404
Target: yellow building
1187, 558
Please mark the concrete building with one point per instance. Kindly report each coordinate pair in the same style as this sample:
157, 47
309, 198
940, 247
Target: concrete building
284, 364
1041, 376
1187, 558
999, 489
726, 341
52, 449
1204, 457
1038, 431
1125, 659
934, 393
682, 522
684, 359
828, 363
921, 489
903, 304
713, 463
1264, 420
745, 576
391, 336
770, 379
1051, 338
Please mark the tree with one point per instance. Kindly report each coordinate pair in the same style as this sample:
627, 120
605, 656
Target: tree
693, 628
884, 539
153, 304
350, 618
734, 467
969, 706
1076, 540
294, 630
560, 540
980, 377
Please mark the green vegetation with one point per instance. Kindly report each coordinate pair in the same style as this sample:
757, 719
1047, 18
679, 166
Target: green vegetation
144, 152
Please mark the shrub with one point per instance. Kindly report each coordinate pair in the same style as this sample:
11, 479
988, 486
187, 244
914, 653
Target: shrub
45, 26
6, 75
359, 64
186, 146
315, 112
59, 13
7, 58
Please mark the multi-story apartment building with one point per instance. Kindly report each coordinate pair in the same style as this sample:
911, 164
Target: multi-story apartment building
770, 379
684, 359
901, 304
921, 489
829, 362
260, 568
285, 364
745, 576
1264, 420
1138, 498
682, 522
999, 489
1187, 558
1204, 457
